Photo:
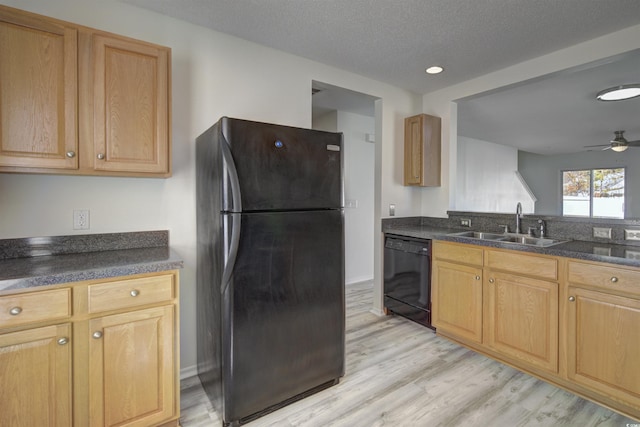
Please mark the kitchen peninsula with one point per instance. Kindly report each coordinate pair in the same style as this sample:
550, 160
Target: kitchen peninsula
566, 313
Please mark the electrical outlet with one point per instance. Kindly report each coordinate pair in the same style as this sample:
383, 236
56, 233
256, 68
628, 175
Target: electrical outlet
632, 255
465, 222
351, 203
603, 233
81, 219
631, 234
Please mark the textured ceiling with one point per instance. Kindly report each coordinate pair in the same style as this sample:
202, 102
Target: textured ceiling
395, 40
557, 114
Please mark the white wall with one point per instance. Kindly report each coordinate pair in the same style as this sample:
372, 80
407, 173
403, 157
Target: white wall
212, 75
486, 178
435, 202
359, 163
358, 186
544, 175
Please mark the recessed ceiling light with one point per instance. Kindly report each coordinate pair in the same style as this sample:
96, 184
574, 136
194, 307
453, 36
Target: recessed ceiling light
434, 70
619, 93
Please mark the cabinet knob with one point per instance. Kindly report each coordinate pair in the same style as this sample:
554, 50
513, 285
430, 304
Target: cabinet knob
614, 279
63, 341
71, 154
477, 277
134, 293
15, 311
97, 335
491, 280
100, 156
572, 298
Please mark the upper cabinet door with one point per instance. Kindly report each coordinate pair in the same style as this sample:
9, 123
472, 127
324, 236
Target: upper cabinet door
422, 150
38, 92
131, 106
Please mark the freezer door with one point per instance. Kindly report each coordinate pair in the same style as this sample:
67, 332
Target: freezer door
284, 310
281, 167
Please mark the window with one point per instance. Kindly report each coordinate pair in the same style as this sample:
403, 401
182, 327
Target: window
595, 193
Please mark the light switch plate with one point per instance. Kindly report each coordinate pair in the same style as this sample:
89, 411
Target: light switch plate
392, 210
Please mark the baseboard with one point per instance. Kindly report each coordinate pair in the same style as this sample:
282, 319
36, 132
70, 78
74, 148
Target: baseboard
357, 280
377, 312
188, 372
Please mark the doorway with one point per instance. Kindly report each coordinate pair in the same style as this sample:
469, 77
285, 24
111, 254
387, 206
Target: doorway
337, 109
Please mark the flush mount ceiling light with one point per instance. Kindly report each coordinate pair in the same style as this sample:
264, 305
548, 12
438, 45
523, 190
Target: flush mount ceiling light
619, 93
434, 70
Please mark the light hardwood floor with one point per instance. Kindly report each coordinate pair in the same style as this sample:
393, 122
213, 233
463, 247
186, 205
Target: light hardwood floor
401, 374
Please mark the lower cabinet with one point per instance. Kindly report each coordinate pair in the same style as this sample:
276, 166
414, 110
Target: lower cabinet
521, 318
113, 362
603, 330
499, 299
131, 367
571, 322
456, 299
35, 377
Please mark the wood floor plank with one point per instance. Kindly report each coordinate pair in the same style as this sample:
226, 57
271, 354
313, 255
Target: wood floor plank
401, 374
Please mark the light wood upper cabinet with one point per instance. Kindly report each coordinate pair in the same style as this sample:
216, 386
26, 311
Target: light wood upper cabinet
79, 101
130, 100
35, 377
422, 150
38, 92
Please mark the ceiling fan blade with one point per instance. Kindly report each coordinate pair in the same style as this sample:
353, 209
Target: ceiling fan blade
634, 143
599, 145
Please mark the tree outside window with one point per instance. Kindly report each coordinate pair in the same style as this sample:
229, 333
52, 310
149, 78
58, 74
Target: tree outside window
595, 193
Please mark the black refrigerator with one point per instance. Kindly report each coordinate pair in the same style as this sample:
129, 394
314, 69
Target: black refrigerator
270, 265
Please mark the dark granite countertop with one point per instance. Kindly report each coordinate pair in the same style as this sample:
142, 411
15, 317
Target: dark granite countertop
577, 249
64, 259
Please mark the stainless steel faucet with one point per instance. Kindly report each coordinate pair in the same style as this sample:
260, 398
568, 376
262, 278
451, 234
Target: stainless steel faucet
518, 218
542, 228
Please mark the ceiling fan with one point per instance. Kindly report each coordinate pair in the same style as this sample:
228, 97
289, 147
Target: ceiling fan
619, 143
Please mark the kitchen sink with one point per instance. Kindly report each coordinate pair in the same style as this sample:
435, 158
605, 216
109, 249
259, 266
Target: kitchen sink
509, 238
480, 235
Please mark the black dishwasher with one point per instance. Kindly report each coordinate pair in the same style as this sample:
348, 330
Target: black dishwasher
407, 278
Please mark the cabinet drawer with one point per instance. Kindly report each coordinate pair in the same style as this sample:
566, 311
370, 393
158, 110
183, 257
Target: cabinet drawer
530, 265
462, 253
33, 307
130, 293
607, 278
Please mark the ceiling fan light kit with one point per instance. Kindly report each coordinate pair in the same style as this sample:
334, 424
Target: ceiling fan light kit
619, 143
619, 148
619, 93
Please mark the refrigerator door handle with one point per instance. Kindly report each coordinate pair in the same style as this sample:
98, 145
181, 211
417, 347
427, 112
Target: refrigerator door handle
230, 167
232, 253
